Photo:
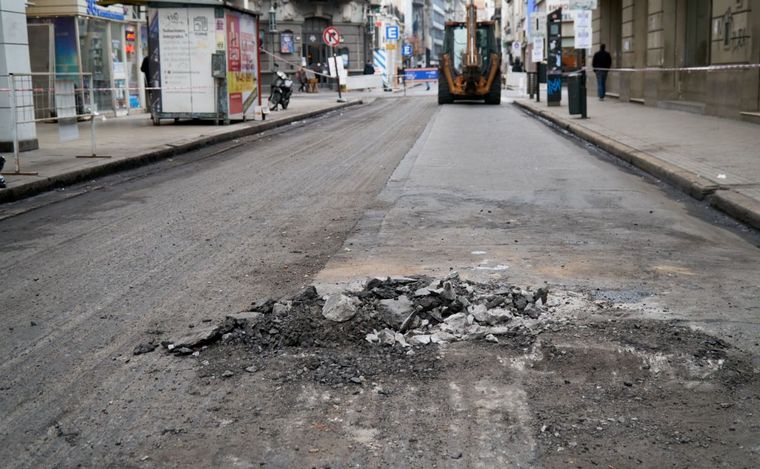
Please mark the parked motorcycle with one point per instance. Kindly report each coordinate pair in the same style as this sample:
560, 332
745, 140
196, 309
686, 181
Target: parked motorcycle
282, 88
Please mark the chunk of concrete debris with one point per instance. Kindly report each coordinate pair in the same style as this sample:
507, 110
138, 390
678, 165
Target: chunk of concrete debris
457, 323
394, 312
339, 307
396, 280
421, 292
422, 339
144, 348
519, 301
492, 338
496, 316
200, 335
532, 311
542, 294
448, 292
387, 337
372, 337
279, 309
400, 339
306, 295
263, 305
479, 312
227, 374
442, 338
245, 319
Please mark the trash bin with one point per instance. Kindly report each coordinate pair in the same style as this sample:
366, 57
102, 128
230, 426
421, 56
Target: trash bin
542, 72
576, 93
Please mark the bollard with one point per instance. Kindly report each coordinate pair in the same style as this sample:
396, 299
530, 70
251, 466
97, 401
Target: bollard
583, 94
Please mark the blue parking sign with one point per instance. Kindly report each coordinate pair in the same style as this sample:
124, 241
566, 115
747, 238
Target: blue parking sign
391, 32
407, 50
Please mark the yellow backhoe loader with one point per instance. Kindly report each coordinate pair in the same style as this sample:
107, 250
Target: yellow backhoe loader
470, 65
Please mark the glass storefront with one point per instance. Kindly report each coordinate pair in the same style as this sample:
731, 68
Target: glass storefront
133, 65
119, 68
94, 49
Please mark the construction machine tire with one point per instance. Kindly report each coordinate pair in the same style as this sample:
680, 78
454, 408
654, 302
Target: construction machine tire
444, 96
494, 94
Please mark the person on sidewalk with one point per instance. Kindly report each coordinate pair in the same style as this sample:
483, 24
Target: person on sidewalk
601, 63
2, 179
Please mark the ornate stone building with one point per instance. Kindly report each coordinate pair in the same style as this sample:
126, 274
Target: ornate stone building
298, 36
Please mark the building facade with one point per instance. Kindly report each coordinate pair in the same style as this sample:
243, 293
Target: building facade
297, 38
658, 34
79, 36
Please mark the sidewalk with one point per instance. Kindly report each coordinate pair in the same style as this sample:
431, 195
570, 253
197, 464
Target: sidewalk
707, 157
134, 141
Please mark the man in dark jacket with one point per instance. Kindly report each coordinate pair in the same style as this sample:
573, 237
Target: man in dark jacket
602, 62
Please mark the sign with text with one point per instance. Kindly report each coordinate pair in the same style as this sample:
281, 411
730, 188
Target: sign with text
538, 25
538, 49
583, 29
421, 74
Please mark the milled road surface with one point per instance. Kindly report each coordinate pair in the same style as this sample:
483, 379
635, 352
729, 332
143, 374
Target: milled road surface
484, 190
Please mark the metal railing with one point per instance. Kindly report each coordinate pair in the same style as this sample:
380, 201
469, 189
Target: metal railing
67, 99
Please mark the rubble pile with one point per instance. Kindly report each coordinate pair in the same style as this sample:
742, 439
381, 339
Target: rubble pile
404, 312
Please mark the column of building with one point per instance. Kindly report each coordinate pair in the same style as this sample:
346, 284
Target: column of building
14, 58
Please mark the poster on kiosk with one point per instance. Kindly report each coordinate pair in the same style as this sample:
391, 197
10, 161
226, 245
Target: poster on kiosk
182, 42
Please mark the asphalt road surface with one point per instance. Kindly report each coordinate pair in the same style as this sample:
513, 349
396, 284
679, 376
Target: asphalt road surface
399, 186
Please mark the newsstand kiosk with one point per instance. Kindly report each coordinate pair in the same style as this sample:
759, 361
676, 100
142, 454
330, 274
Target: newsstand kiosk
203, 61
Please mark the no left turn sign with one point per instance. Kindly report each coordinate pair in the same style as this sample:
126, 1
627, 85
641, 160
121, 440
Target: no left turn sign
331, 36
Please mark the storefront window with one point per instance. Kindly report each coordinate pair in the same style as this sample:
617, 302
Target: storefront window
93, 43
119, 66
133, 64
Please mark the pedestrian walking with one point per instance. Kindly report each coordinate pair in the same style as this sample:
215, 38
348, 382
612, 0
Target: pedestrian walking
601, 63
301, 78
145, 68
517, 65
369, 69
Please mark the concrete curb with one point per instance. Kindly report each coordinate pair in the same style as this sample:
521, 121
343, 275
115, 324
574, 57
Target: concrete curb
739, 206
735, 205
72, 177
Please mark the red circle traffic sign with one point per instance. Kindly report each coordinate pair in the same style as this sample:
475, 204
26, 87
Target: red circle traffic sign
331, 36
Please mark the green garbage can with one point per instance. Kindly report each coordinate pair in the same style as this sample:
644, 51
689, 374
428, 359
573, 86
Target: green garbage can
576, 93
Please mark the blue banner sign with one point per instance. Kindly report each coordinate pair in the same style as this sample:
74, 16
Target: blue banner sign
421, 74
96, 10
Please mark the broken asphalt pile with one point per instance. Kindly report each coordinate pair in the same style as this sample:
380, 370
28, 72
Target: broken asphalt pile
401, 312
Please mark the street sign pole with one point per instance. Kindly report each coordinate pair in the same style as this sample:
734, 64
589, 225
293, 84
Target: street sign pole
337, 74
331, 37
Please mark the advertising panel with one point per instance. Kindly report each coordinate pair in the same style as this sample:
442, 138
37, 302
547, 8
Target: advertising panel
175, 60
66, 48
248, 69
234, 85
202, 45
186, 42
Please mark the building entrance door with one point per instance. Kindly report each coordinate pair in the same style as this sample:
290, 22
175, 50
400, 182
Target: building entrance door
314, 49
